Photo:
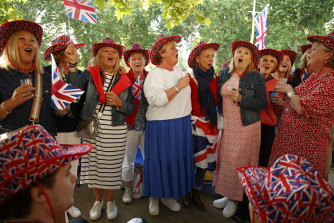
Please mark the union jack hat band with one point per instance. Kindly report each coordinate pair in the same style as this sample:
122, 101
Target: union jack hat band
291, 190
60, 43
290, 53
327, 40
29, 155
8, 28
197, 50
107, 42
159, 43
255, 51
303, 48
274, 53
136, 48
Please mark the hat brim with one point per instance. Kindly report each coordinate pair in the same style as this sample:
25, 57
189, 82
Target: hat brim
97, 46
57, 47
145, 52
158, 46
8, 28
274, 53
197, 50
240, 43
292, 54
252, 179
325, 40
305, 47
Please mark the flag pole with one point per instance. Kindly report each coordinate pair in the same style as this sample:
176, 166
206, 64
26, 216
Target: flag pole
253, 21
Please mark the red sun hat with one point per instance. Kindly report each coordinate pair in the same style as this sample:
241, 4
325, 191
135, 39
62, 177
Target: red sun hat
274, 53
136, 48
292, 54
305, 47
255, 51
8, 28
107, 42
159, 43
226, 64
29, 155
196, 51
327, 40
60, 43
291, 190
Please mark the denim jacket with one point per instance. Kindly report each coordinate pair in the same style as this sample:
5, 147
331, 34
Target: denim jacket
253, 91
19, 117
92, 99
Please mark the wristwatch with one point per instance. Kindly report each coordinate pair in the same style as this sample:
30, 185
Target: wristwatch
289, 94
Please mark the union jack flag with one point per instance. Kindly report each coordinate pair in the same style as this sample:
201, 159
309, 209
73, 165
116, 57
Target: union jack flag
63, 94
261, 29
80, 9
136, 89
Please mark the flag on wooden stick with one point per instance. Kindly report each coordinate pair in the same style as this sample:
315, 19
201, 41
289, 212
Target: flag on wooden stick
261, 29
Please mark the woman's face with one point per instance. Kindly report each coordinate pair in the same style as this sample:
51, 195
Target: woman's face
242, 57
27, 46
61, 193
285, 64
317, 57
170, 56
205, 58
267, 64
137, 62
109, 57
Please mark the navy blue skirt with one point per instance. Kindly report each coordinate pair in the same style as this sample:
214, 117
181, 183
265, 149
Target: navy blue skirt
169, 162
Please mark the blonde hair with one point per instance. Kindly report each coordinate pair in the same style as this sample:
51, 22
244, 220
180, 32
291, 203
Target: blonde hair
303, 62
329, 63
11, 55
96, 61
287, 73
162, 50
251, 66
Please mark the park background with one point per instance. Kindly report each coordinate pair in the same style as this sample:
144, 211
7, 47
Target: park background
289, 22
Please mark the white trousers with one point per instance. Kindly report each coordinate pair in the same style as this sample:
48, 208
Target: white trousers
134, 139
69, 138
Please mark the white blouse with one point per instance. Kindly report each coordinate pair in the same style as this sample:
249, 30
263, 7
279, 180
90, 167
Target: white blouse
157, 82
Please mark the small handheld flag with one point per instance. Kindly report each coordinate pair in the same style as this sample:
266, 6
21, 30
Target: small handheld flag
261, 29
136, 88
80, 9
62, 94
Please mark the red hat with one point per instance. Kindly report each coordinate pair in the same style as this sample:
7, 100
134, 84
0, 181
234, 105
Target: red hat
59, 43
327, 40
8, 28
29, 155
255, 51
107, 42
196, 51
274, 53
159, 43
303, 48
291, 190
292, 54
134, 48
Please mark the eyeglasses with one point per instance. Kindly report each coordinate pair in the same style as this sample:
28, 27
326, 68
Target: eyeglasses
137, 59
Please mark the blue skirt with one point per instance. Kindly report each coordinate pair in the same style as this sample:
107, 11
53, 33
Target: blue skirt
169, 162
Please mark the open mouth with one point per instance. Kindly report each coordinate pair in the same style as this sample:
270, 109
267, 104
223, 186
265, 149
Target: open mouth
240, 60
110, 58
177, 55
28, 50
284, 66
267, 67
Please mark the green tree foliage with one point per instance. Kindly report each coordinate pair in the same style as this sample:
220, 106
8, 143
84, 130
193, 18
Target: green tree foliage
137, 21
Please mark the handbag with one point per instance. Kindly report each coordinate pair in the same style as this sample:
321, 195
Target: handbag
89, 128
220, 121
137, 188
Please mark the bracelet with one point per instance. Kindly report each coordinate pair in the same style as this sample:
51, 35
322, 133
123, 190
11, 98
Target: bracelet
176, 89
290, 94
3, 108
